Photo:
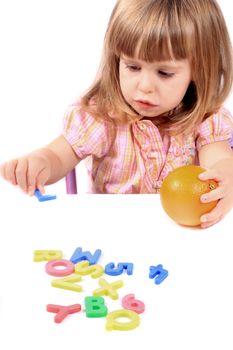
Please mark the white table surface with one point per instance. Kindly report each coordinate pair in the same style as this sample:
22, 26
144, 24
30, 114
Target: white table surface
191, 309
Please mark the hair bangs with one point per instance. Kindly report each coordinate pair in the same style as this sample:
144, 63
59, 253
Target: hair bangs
155, 35
162, 45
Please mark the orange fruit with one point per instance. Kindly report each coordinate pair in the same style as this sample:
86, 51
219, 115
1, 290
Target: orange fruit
180, 195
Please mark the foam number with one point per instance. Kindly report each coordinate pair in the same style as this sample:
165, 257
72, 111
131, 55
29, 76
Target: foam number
111, 270
129, 302
47, 255
51, 268
95, 307
108, 288
158, 273
114, 324
84, 268
68, 283
79, 255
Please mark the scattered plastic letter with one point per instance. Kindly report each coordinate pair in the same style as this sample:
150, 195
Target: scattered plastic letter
79, 255
63, 311
50, 268
113, 324
68, 283
108, 288
47, 255
44, 197
95, 307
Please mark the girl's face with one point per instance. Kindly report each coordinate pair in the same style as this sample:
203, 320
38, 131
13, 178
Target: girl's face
152, 89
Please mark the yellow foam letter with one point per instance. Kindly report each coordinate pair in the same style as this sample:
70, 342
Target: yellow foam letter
112, 323
68, 283
47, 255
108, 288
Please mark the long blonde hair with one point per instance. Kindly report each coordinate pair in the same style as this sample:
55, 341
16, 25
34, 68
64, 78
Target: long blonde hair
165, 30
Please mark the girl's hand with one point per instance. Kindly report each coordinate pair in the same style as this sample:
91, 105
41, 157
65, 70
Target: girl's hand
29, 172
223, 193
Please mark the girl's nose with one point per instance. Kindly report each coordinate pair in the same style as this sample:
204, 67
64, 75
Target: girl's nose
146, 83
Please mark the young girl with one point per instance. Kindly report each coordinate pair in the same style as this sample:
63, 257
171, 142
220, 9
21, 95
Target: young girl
156, 104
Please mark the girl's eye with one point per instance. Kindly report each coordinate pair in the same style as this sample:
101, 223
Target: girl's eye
133, 67
165, 74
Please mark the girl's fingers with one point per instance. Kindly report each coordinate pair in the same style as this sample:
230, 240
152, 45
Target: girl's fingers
213, 195
211, 216
27, 173
41, 179
210, 223
38, 174
31, 178
8, 171
21, 174
215, 215
220, 192
211, 174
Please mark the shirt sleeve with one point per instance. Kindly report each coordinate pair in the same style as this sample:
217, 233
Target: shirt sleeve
86, 134
217, 127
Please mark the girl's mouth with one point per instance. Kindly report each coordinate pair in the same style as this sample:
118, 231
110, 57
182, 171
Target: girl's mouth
144, 104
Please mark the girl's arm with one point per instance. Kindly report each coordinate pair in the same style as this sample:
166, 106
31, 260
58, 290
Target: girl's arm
212, 154
217, 158
62, 158
42, 166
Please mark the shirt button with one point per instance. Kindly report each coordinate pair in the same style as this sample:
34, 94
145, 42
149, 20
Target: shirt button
152, 154
157, 184
149, 166
176, 151
142, 126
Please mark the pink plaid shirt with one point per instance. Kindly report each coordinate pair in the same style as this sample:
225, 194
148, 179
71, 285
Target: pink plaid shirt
133, 158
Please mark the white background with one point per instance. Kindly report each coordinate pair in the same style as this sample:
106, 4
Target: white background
50, 51
191, 309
